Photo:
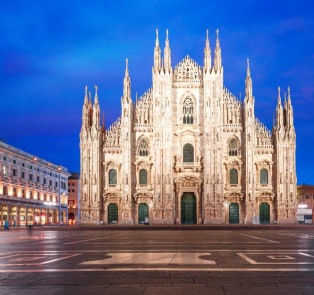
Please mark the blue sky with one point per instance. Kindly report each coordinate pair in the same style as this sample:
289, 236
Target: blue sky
50, 50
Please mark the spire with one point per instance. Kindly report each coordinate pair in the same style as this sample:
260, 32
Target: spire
248, 82
157, 40
126, 67
86, 110
157, 54
279, 98
217, 39
207, 55
96, 111
248, 73
217, 58
85, 98
127, 82
289, 112
167, 55
279, 112
289, 98
96, 96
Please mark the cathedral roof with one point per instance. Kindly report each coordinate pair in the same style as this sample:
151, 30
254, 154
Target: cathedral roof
187, 70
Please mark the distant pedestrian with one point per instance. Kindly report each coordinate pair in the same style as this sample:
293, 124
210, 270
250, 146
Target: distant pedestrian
6, 225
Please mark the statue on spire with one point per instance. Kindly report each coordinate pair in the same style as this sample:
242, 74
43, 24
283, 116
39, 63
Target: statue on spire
217, 58
248, 82
279, 112
207, 55
96, 95
157, 54
127, 82
167, 55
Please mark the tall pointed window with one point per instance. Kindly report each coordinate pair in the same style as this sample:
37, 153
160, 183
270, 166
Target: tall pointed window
264, 176
233, 176
143, 176
233, 147
112, 177
143, 148
188, 111
188, 153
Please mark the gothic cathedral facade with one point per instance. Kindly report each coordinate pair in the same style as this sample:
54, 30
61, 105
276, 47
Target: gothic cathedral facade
187, 151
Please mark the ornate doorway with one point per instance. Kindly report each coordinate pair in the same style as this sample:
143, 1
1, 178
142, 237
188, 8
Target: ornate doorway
264, 213
142, 212
234, 213
112, 213
188, 208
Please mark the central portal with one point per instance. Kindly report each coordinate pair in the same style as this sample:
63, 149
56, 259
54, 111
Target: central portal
188, 208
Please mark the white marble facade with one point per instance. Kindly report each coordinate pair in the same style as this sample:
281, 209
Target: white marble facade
188, 140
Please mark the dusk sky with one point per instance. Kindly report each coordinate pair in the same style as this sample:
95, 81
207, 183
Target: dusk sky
50, 50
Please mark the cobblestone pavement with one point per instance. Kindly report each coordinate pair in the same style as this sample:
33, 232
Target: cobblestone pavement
84, 261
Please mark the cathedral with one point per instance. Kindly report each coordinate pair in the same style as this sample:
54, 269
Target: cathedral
187, 151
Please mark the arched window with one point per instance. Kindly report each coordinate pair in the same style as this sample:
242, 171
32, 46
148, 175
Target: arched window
143, 176
233, 176
188, 153
113, 176
233, 147
264, 176
188, 111
143, 147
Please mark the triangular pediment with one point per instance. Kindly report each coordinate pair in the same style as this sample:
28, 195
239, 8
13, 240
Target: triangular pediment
187, 70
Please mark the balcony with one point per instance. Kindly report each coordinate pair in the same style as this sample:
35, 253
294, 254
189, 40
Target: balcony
180, 166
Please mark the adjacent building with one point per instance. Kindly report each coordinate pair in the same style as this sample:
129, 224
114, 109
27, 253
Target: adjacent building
188, 151
73, 202
306, 203
32, 190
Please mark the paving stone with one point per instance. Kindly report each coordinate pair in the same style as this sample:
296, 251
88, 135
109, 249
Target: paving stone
260, 291
306, 290
183, 291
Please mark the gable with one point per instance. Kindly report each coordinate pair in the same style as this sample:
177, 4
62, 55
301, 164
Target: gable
188, 70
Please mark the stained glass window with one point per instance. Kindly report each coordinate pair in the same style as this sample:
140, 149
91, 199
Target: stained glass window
143, 176
264, 176
143, 147
233, 176
188, 111
233, 147
112, 176
188, 153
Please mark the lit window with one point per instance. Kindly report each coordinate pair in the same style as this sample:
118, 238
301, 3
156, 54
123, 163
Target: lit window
5, 170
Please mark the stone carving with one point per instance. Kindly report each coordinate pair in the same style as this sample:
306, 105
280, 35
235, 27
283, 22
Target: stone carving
157, 115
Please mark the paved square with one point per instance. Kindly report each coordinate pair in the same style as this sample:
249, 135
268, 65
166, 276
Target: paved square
61, 260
